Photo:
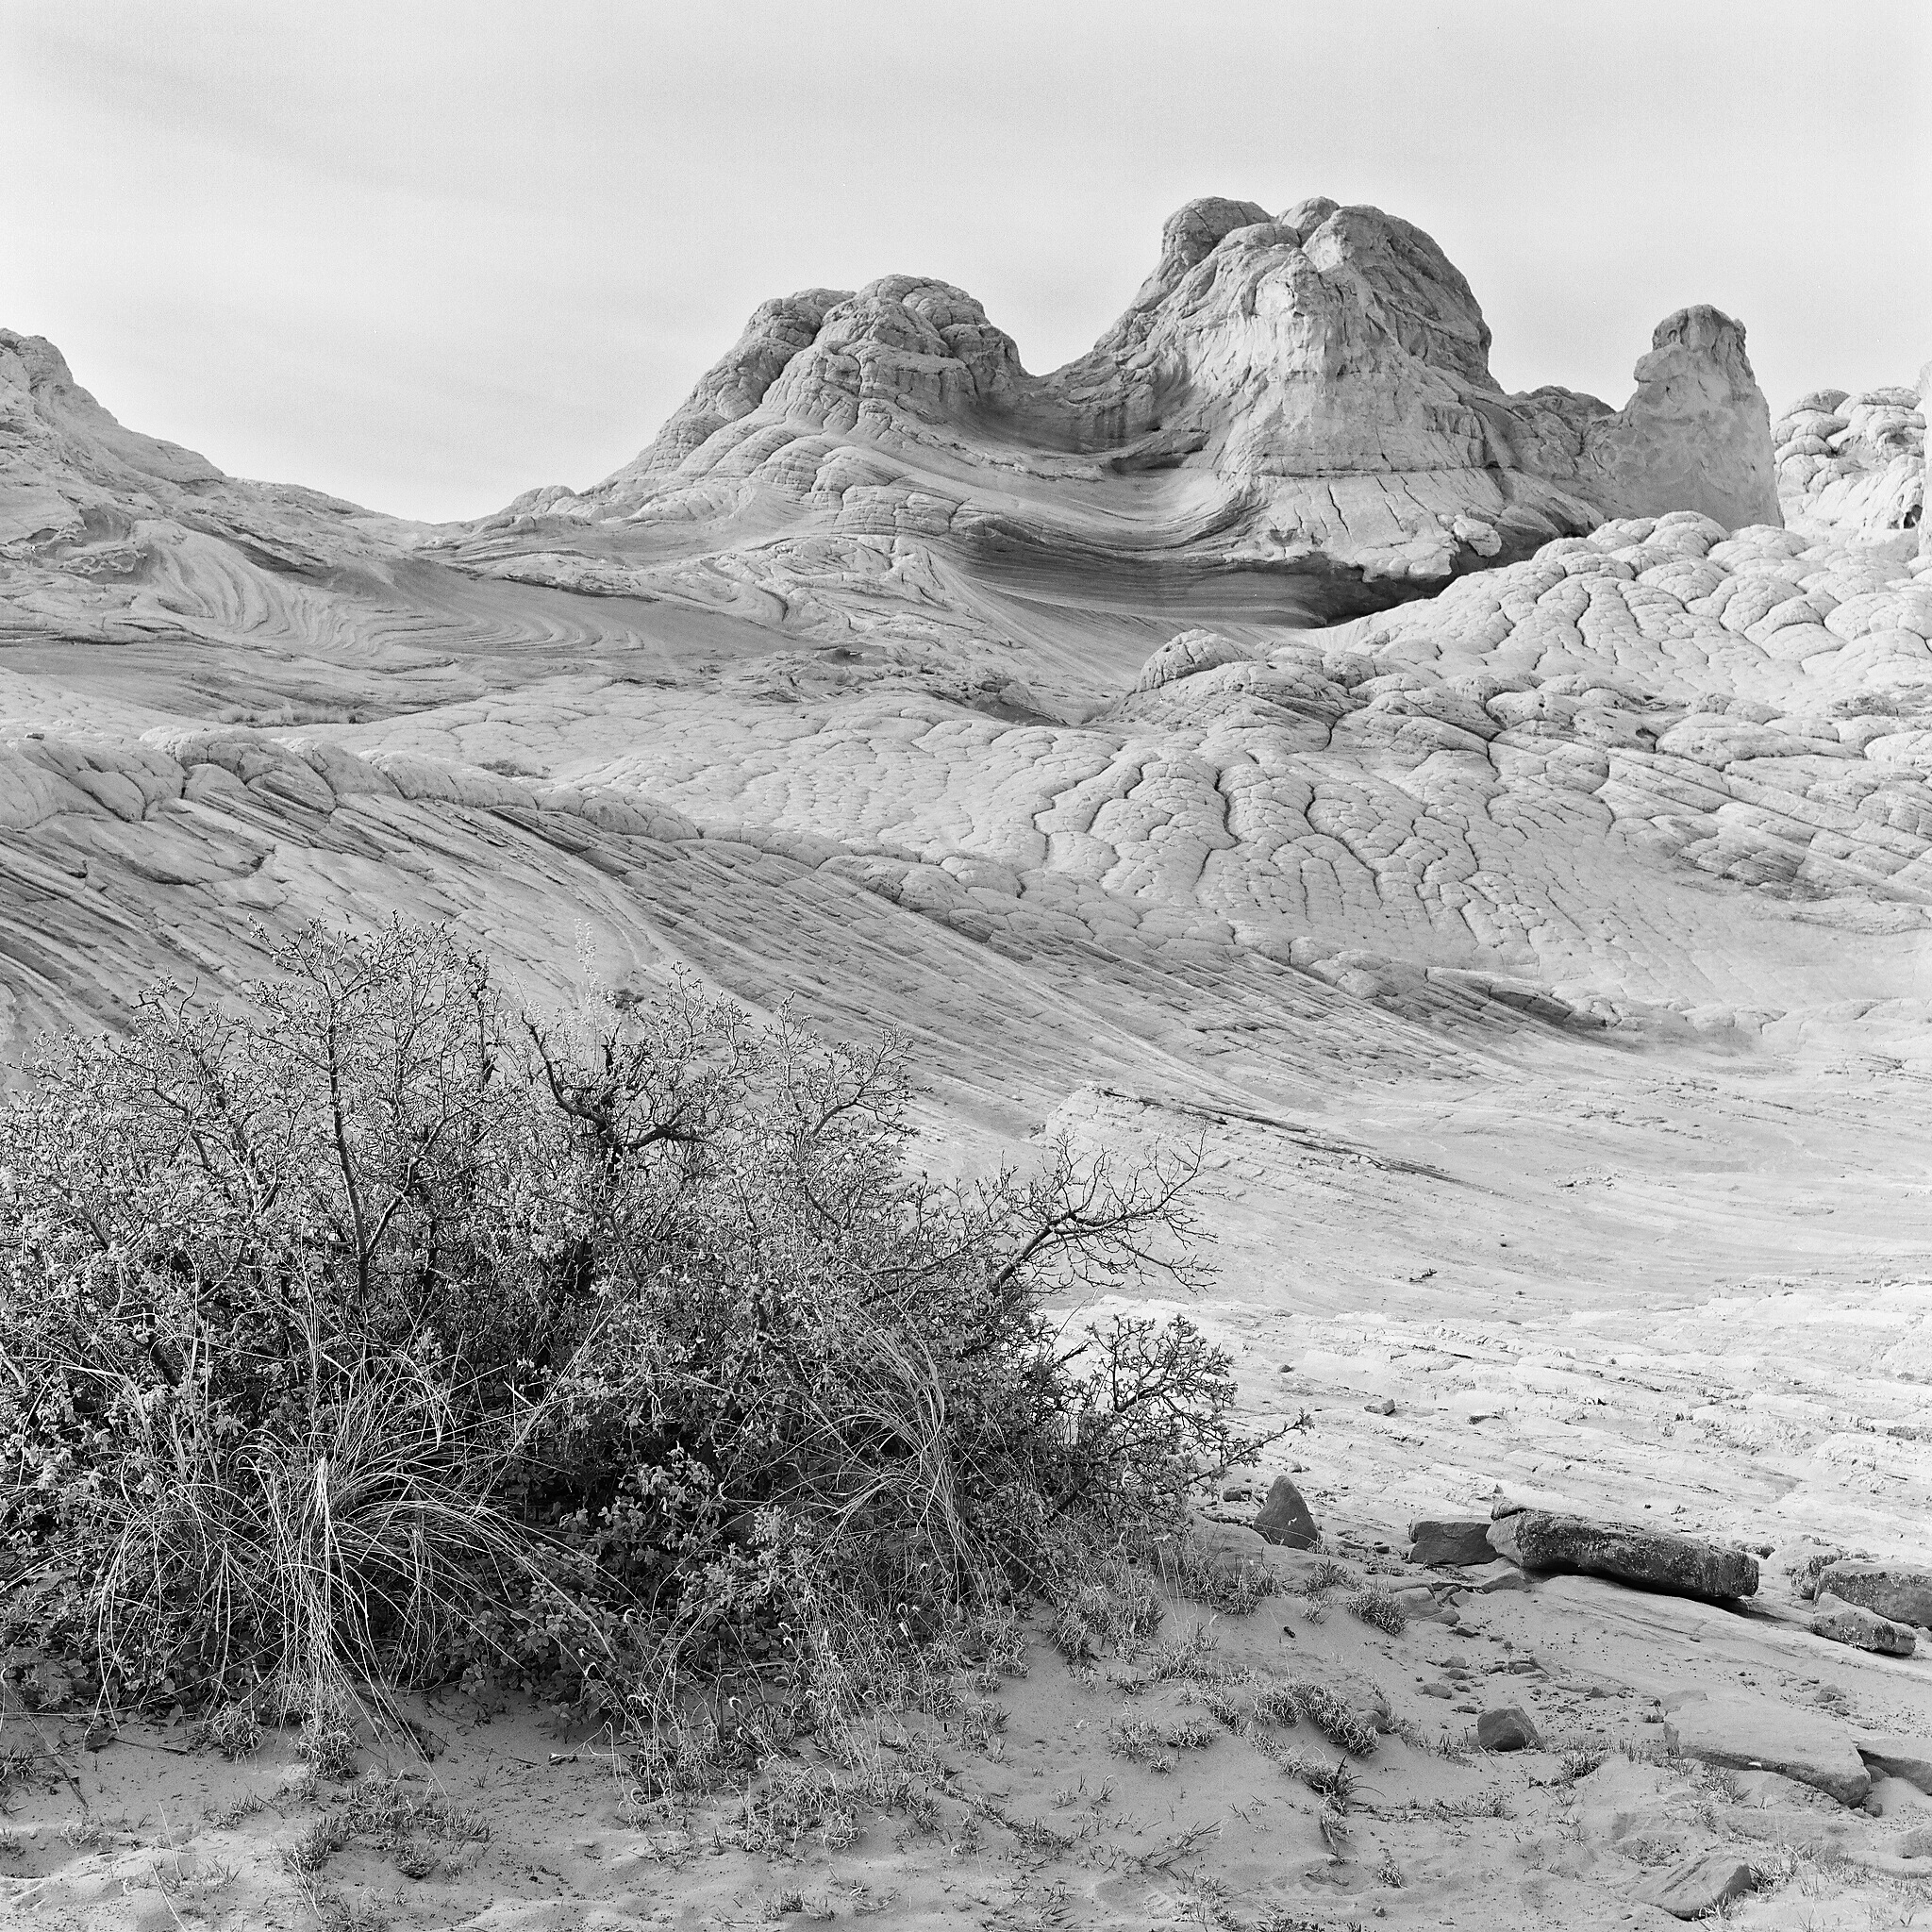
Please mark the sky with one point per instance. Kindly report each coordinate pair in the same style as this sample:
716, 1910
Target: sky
426, 256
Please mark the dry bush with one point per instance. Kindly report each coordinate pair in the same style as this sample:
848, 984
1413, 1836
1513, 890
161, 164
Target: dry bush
361, 1329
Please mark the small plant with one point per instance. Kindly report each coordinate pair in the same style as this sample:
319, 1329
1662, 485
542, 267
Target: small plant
414, 1860
1339, 1722
234, 1731
313, 1846
1110, 1605
226, 1817
328, 1745
1580, 1761
1387, 1872
1146, 1740
1377, 1606
979, 1721
1194, 1657
1326, 1575
1235, 1590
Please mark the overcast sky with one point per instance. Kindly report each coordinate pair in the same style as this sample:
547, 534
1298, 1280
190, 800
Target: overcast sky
426, 256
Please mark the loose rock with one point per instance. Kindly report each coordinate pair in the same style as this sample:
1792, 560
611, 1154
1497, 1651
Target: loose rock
1854, 1624
1286, 1519
1383, 1404
1508, 1728
1897, 1591
1747, 1733
1697, 1886
1450, 1539
1538, 1539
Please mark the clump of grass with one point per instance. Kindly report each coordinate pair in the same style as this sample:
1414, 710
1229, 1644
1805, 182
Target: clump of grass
1377, 1606
1112, 1608
233, 1729
1337, 1720
1148, 1741
328, 1745
314, 1845
1234, 1590
1326, 1575
1192, 1658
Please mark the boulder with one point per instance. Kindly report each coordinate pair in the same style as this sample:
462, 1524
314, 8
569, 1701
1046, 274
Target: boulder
1916, 1843
1854, 1624
1900, 1592
1697, 1886
1747, 1733
1450, 1539
1285, 1518
1540, 1541
1892, 1755
1508, 1728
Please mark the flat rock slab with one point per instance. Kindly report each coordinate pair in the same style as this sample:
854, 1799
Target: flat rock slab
1898, 1591
1696, 1885
1746, 1733
1538, 1539
1496, 1575
1897, 1756
1450, 1539
1855, 1625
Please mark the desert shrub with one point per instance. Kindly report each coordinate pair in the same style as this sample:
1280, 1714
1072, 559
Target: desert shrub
361, 1327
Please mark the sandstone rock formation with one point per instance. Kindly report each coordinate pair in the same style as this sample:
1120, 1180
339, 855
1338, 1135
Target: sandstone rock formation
1854, 464
1305, 398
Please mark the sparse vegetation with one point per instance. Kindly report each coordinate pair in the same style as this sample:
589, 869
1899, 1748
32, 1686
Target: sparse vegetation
362, 1328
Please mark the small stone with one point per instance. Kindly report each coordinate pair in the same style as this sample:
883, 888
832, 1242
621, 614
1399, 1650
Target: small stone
1852, 1623
1439, 1688
1285, 1518
1383, 1404
1697, 1886
1507, 1728
1450, 1539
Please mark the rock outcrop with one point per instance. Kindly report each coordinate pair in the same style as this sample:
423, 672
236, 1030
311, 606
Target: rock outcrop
1854, 464
1743, 1732
1306, 396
